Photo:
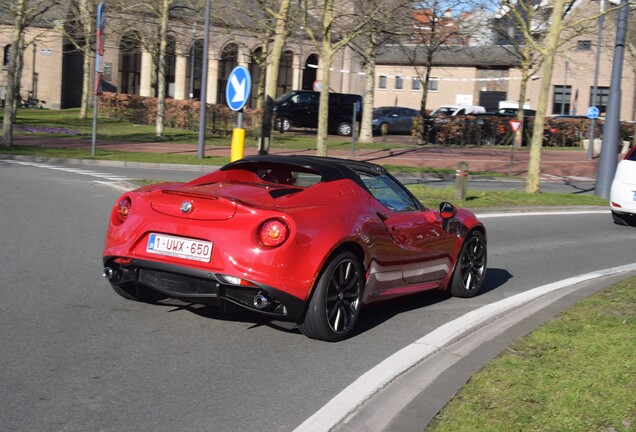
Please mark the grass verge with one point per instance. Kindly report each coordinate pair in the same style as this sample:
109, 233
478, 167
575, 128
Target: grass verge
575, 373
56, 124
64, 123
431, 197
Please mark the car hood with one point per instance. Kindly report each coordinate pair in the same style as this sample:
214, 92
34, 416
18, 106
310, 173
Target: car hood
216, 201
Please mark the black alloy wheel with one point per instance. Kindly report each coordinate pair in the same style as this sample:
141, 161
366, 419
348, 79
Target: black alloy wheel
470, 270
335, 305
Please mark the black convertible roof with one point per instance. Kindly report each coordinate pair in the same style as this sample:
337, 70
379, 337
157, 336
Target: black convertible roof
329, 168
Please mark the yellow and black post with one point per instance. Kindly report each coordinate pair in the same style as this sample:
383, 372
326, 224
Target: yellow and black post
238, 139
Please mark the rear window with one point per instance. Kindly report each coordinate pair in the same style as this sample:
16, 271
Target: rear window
281, 175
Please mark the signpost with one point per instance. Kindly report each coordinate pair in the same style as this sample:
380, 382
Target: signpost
237, 93
514, 126
593, 112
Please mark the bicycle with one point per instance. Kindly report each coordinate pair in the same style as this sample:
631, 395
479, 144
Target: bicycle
31, 102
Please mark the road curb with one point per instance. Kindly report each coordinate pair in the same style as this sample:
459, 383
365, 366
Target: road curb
360, 406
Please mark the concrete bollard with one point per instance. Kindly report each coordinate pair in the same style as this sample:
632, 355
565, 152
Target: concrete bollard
461, 181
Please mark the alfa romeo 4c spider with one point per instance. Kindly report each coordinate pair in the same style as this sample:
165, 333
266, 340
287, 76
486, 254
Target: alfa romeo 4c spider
304, 239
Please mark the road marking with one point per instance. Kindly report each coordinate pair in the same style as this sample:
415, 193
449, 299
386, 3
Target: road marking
566, 212
373, 381
105, 176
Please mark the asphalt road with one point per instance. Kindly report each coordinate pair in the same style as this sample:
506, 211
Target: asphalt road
77, 357
186, 173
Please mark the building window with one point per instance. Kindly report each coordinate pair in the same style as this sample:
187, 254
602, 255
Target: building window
7, 55
433, 84
399, 82
561, 97
585, 45
382, 82
415, 83
602, 98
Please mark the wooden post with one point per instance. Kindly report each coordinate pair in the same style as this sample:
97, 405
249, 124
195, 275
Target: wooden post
461, 181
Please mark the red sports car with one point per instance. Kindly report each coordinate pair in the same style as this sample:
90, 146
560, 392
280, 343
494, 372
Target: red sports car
302, 238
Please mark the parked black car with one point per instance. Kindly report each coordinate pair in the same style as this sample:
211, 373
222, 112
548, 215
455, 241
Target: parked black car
299, 108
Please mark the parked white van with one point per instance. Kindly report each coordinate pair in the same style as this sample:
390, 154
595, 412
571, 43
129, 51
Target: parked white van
455, 110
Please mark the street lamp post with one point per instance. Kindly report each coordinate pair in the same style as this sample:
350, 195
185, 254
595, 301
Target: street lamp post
204, 83
192, 59
565, 86
611, 135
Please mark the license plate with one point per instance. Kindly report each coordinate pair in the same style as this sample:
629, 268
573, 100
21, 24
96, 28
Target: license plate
179, 247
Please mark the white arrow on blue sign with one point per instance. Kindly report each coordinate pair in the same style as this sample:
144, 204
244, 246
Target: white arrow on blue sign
239, 86
593, 112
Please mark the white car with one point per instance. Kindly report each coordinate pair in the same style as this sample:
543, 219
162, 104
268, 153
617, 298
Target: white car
623, 192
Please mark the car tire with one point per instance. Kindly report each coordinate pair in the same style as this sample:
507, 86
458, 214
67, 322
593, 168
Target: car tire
130, 291
344, 129
470, 269
284, 123
335, 304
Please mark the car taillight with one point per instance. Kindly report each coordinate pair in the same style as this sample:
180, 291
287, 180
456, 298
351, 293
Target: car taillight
274, 232
123, 209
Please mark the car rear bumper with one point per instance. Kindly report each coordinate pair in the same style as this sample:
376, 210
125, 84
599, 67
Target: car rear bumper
623, 198
200, 286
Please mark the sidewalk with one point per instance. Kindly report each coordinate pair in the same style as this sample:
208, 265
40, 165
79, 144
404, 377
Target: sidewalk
556, 165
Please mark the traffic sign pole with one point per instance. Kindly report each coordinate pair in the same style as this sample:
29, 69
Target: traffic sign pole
237, 92
514, 126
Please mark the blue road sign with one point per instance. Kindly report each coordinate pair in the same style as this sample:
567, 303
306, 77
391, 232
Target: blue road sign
593, 112
239, 86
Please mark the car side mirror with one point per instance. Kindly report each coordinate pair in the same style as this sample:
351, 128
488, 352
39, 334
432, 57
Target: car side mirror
447, 210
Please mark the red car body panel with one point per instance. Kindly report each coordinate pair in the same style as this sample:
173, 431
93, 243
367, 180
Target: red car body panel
401, 252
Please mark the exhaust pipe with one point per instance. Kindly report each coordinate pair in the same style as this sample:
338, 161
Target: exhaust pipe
110, 274
261, 301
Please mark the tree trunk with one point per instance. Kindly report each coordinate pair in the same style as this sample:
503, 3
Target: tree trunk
161, 72
366, 129
86, 13
273, 66
13, 80
326, 55
421, 127
533, 182
518, 140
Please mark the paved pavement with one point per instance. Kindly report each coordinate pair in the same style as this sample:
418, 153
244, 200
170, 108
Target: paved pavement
556, 165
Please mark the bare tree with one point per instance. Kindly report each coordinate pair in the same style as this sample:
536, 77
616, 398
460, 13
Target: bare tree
281, 31
79, 30
435, 26
270, 22
339, 23
520, 26
548, 52
384, 29
157, 17
23, 13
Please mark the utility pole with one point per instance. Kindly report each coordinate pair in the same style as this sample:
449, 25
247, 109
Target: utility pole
611, 136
